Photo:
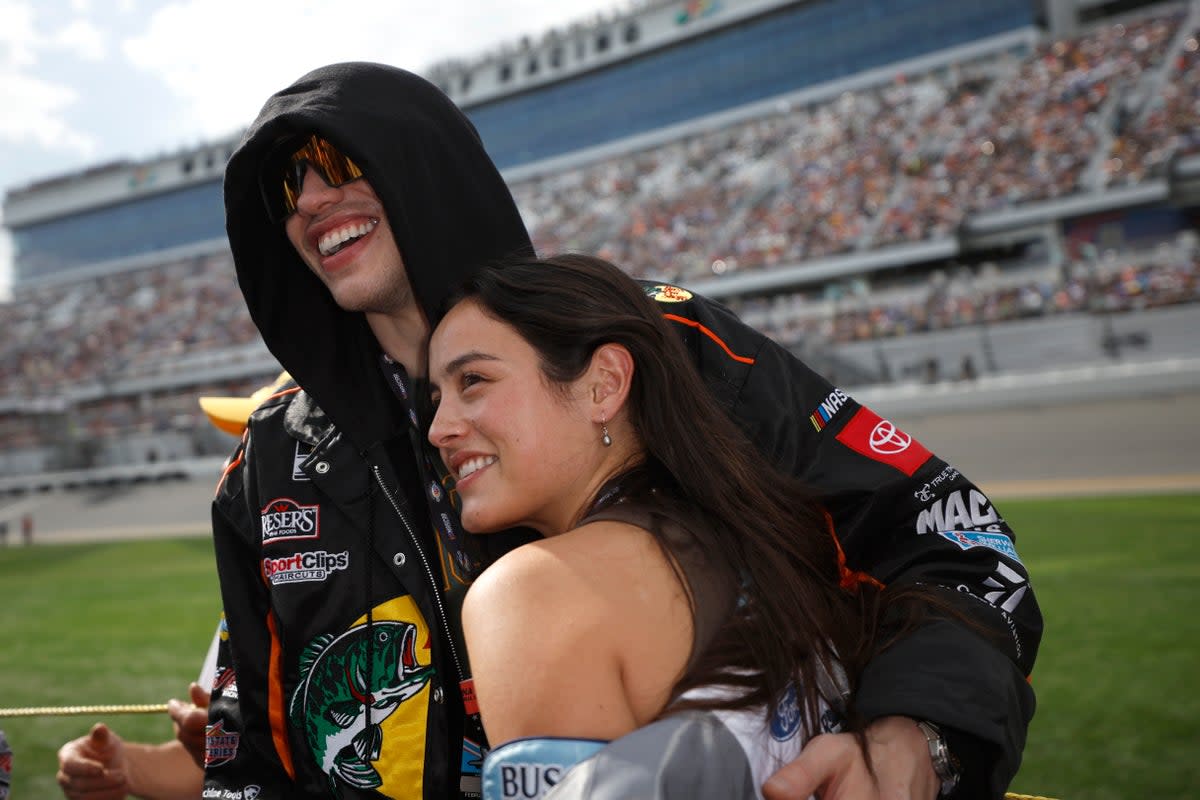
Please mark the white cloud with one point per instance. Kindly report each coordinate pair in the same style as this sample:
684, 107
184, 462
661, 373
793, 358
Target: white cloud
81, 39
17, 36
33, 105
34, 109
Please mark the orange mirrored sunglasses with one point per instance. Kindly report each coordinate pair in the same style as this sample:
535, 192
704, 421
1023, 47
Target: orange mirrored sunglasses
282, 176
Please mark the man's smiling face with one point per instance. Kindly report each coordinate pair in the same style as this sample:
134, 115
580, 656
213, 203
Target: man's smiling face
342, 234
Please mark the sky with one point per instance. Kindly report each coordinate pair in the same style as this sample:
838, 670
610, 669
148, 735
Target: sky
83, 82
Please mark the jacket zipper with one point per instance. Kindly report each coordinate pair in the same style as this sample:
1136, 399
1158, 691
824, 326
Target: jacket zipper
437, 594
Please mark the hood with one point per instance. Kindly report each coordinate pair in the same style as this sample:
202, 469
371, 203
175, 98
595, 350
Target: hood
447, 204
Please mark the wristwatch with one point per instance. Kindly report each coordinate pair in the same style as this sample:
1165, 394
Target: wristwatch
945, 765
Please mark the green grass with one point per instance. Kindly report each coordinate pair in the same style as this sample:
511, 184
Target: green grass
98, 624
1118, 676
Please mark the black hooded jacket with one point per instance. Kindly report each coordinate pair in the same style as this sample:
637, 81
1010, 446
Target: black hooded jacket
316, 525
322, 521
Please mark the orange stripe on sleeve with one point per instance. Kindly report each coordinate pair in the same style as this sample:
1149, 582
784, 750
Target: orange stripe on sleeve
693, 324
245, 432
275, 702
848, 579
230, 467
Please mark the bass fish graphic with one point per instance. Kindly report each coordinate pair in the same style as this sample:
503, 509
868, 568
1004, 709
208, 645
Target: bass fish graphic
340, 677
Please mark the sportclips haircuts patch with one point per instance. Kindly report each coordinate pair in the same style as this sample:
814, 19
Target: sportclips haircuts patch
878, 439
305, 567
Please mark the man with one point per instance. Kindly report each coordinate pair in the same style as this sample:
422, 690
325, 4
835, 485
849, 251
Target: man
357, 200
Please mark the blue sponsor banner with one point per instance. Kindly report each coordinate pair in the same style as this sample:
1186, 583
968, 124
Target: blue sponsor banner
524, 769
994, 541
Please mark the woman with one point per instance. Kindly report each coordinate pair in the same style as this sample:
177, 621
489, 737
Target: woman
678, 576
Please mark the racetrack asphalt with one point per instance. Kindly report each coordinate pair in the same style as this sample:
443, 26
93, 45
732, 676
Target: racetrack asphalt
1132, 445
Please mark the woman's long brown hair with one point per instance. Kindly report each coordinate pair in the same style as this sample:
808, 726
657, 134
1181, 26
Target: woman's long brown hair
764, 531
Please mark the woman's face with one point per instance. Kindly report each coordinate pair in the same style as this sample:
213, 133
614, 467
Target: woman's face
523, 452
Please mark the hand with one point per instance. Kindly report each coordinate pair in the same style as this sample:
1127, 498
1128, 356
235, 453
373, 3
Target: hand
832, 766
93, 767
190, 720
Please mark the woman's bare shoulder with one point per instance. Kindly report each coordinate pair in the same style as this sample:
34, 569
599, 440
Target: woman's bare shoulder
599, 607
591, 564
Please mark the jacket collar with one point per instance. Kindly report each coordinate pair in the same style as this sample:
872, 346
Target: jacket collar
306, 421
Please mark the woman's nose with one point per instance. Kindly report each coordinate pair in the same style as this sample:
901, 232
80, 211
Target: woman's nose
443, 428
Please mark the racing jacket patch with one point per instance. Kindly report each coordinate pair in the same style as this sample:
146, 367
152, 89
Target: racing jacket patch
876, 438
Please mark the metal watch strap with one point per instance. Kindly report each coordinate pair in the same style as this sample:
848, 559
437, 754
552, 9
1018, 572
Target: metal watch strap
945, 765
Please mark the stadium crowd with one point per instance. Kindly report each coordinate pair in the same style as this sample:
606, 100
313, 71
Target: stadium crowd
1118, 282
900, 162
1149, 134
119, 325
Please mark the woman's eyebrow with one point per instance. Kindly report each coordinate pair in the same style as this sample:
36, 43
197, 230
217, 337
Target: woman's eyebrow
456, 364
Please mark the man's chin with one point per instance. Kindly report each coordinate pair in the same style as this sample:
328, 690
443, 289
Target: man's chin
350, 298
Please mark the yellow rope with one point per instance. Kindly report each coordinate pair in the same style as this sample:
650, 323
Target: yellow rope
1012, 796
70, 711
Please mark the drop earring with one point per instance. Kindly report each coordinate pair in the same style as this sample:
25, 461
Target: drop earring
605, 439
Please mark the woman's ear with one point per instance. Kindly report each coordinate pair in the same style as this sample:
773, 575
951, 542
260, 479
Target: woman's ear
610, 377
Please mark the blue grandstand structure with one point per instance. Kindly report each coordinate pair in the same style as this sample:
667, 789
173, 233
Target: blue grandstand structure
899, 190
690, 60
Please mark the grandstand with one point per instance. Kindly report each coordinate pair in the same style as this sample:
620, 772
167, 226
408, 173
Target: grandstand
899, 190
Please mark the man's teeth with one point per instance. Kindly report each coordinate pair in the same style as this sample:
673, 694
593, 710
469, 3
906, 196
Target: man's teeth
474, 465
335, 240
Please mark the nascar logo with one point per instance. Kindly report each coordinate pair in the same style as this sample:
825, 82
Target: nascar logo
830, 406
